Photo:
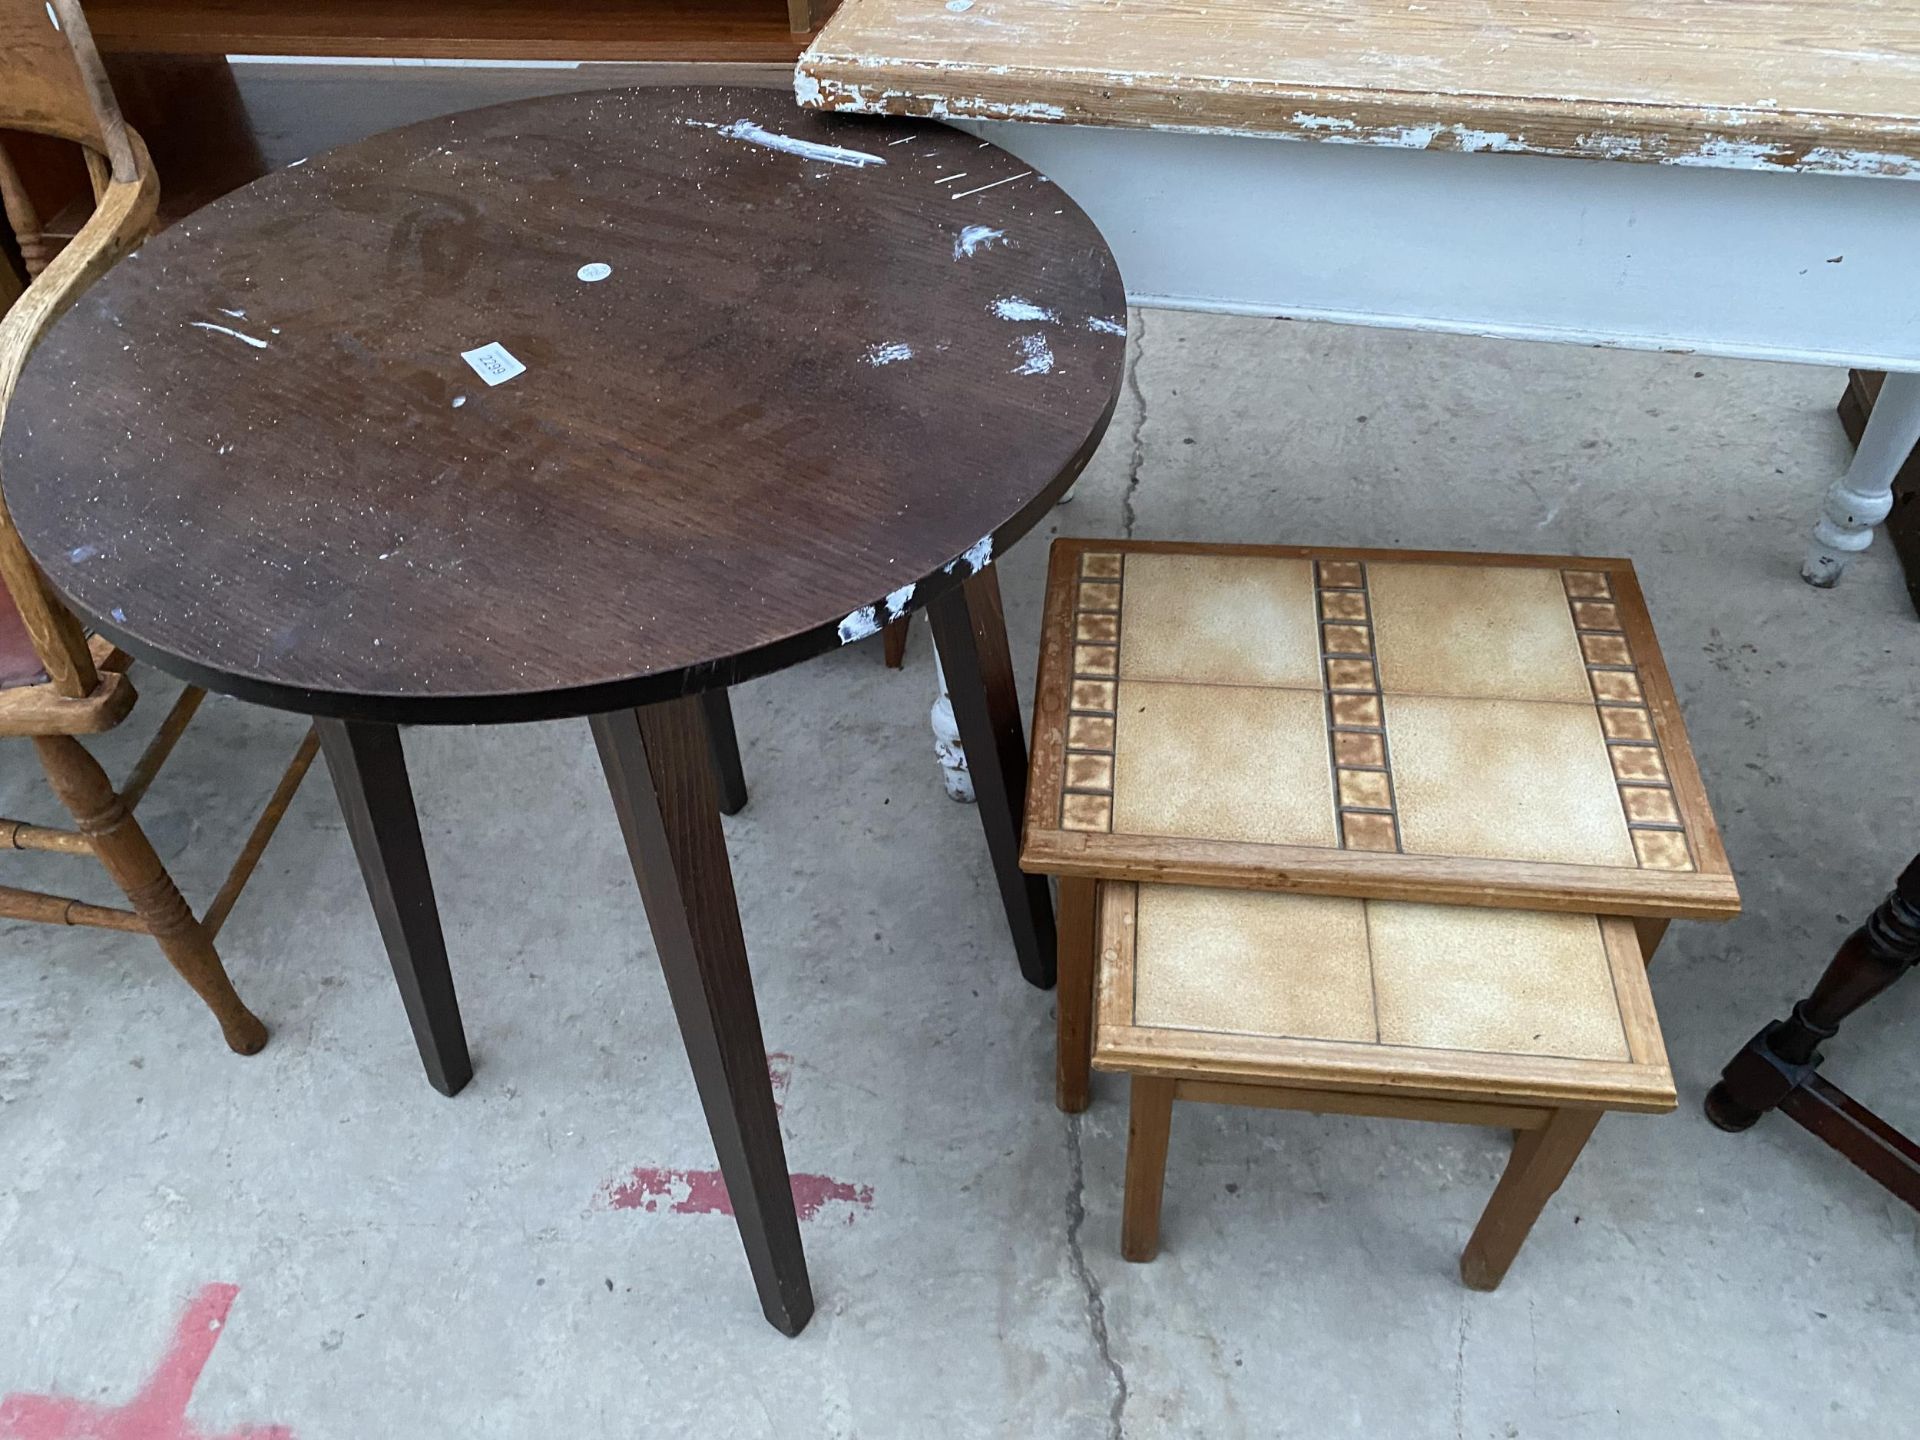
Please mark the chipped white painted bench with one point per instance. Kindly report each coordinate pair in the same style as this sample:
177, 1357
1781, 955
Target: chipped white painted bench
1759, 196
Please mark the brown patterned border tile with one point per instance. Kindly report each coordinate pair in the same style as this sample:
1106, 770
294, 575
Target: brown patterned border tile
1356, 724
1633, 746
1086, 801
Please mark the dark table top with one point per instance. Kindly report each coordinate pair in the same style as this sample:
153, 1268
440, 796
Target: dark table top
831, 366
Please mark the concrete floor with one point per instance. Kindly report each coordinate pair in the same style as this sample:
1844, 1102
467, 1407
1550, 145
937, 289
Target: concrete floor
413, 1266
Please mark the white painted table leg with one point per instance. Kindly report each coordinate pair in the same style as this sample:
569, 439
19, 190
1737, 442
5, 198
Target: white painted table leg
1860, 499
946, 741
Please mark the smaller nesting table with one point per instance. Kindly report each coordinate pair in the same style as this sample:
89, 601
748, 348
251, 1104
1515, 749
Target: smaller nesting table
1489, 730
1526, 1020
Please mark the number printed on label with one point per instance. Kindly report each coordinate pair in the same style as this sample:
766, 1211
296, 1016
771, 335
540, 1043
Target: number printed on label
493, 363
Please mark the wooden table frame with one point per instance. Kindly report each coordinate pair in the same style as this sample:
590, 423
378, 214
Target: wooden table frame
1551, 1105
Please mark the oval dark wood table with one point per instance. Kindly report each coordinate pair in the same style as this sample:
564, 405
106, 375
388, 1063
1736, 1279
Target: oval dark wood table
590, 405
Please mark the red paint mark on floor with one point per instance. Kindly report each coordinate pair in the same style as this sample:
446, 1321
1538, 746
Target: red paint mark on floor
657, 1188
159, 1411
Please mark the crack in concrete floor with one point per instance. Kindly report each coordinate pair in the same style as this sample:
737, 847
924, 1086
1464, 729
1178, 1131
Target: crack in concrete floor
1090, 1287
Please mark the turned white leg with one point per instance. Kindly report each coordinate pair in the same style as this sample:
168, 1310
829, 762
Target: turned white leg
946, 741
1861, 498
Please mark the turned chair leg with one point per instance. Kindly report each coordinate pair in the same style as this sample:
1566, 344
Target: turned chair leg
1784, 1055
1541, 1159
129, 858
1073, 1001
1149, 1123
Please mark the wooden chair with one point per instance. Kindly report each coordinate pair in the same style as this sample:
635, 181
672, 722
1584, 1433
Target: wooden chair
56, 684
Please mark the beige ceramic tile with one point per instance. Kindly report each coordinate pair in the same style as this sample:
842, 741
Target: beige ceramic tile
1229, 619
1342, 572
1350, 675
1504, 780
1647, 805
1356, 710
1095, 695
1587, 584
1100, 565
1101, 629
1099, 595
1662, 849
1086, 812
1626, 722
1615, 687
1638, 762
1601, 648
1240, 961
1094, 659
1366, 789
1343, 605
1519, 982
1223, 762
1090, 732
1089, 772
1347, 640
1366, 831
1482, 630
1358, 747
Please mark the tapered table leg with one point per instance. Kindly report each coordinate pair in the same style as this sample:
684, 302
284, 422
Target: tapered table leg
1073, 1000
1539, 1163
723, 744
658, 769
970, 631
370, 776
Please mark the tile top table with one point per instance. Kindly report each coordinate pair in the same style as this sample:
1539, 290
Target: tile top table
1370, 995
1495, 730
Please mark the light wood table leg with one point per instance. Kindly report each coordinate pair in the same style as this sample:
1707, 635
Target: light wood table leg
1073, 1003
1540, 1162
128, 856
1149, 1122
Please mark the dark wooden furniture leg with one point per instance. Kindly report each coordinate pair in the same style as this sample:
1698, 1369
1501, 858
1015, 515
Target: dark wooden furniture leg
1777, 1069
657, 766
723, 744
370, 776
970, 629
1073, 1000
894, 642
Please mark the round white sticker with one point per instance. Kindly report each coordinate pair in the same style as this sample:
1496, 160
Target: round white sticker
595, 271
